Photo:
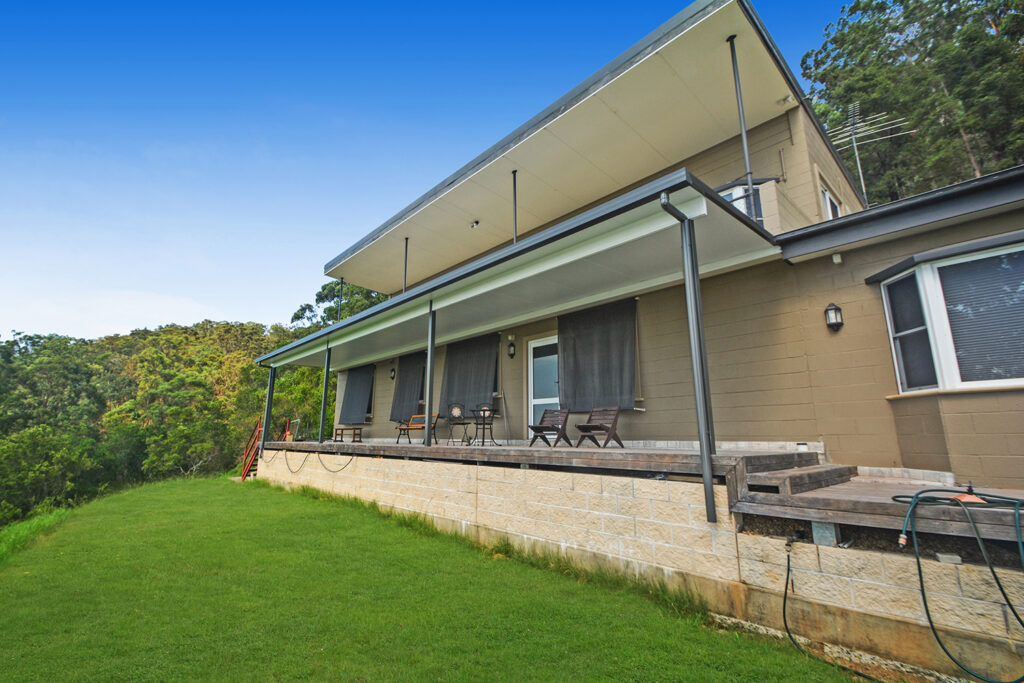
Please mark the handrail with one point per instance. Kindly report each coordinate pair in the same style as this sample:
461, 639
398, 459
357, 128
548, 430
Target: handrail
252, 449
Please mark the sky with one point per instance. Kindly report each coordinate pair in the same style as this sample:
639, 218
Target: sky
169, 162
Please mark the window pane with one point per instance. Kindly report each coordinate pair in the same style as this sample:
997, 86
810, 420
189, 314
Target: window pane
545, 371
905, 305
985, 303
917, 370
539, 408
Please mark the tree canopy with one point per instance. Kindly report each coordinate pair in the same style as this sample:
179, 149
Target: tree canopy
953, 68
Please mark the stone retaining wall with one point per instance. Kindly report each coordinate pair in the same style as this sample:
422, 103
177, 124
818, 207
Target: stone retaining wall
866, 600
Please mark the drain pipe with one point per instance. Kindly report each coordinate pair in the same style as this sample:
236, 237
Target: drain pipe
743, 127
698, 352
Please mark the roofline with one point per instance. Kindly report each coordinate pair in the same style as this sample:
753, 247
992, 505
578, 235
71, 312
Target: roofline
802, 97
971, 247
678, 24
953, 201
648, 192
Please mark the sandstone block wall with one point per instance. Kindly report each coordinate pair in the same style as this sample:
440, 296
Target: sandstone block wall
658, 528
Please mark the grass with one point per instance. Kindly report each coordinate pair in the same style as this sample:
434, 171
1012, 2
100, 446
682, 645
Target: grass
18, 535
212, 579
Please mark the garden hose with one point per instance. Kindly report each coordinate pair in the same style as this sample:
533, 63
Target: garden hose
785, 622
965, 500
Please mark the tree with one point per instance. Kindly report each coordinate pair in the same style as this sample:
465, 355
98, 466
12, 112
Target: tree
953, 68
335, 302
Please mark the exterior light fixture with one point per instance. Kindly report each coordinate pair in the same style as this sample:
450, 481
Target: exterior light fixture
833, 317
392, 373
511, 349
474, 224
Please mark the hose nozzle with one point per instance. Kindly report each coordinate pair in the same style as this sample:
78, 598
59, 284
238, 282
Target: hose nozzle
903, 540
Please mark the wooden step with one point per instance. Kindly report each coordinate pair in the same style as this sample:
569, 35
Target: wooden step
799, 479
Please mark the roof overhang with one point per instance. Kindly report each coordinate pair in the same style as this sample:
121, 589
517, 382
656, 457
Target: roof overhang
988, 195
621, 248
667, 98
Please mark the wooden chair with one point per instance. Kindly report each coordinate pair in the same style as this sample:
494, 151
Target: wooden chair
552, 422
601, 421
416, 423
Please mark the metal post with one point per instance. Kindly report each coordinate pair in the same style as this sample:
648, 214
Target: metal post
743, 127
405, 265
428, 389
323, 397
701, 390
341, 295
269, 409
515, 209
698, 352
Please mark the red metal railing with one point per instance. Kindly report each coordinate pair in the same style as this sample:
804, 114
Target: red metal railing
252, 449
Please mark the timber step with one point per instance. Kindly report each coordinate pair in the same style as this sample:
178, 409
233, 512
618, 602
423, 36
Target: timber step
799, 479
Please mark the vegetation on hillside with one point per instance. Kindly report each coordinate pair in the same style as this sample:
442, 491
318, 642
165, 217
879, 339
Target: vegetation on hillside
78, 416
215, 580
953, 68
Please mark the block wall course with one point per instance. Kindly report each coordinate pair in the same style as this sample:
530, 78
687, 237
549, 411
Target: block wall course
658, 527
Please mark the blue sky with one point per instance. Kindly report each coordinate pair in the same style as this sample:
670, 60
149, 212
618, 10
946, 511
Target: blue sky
173, 161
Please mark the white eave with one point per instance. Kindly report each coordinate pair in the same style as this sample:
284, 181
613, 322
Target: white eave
670, 97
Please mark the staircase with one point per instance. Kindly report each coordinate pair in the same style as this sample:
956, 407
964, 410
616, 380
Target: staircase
250, 457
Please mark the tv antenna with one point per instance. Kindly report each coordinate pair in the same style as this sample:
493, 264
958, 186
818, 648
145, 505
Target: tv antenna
859, 131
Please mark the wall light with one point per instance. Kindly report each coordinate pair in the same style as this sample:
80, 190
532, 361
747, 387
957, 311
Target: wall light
392, 373
511, 349
833, 317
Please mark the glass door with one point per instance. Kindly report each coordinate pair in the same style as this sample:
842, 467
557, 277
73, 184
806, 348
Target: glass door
543, 389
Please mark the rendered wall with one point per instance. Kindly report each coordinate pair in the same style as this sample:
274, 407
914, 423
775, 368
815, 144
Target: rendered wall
865, 600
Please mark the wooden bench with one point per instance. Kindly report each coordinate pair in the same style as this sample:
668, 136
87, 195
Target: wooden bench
416, 423
356, 432
601, 421
553, 423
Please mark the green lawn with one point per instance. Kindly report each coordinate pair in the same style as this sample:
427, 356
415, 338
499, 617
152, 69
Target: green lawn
217, 580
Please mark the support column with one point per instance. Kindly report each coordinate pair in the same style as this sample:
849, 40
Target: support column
428, 381
743, 128
698, 358
323, 396
267, 413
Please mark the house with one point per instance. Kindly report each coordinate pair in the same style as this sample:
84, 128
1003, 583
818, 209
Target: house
677, 237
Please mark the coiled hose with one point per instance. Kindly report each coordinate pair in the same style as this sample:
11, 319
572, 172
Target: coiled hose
966, 501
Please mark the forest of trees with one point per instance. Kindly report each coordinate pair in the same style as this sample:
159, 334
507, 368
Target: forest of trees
954, 69
81, 416
78, 417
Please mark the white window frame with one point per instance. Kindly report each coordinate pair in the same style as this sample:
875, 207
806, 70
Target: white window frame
940, 332
828, 198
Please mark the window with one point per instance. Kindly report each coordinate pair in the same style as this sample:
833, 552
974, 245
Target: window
959, 322
830, 203
737, 196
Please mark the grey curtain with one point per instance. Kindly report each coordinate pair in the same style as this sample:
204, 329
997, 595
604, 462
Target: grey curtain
470, 372
597, 357
408, 386
358, 390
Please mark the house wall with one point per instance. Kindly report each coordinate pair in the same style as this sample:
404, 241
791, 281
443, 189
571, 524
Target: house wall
860, 599
778, 374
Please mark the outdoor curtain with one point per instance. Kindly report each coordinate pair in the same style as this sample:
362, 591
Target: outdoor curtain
470, 372
597, 357
358, 389
408, 386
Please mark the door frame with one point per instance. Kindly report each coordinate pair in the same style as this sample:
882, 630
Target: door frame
530, 345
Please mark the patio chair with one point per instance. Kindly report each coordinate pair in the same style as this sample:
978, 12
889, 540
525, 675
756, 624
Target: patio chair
483, 416
553, 423
601, 421
457, 418
416, 423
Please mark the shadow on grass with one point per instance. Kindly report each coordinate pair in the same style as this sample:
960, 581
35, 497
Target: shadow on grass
679, 603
